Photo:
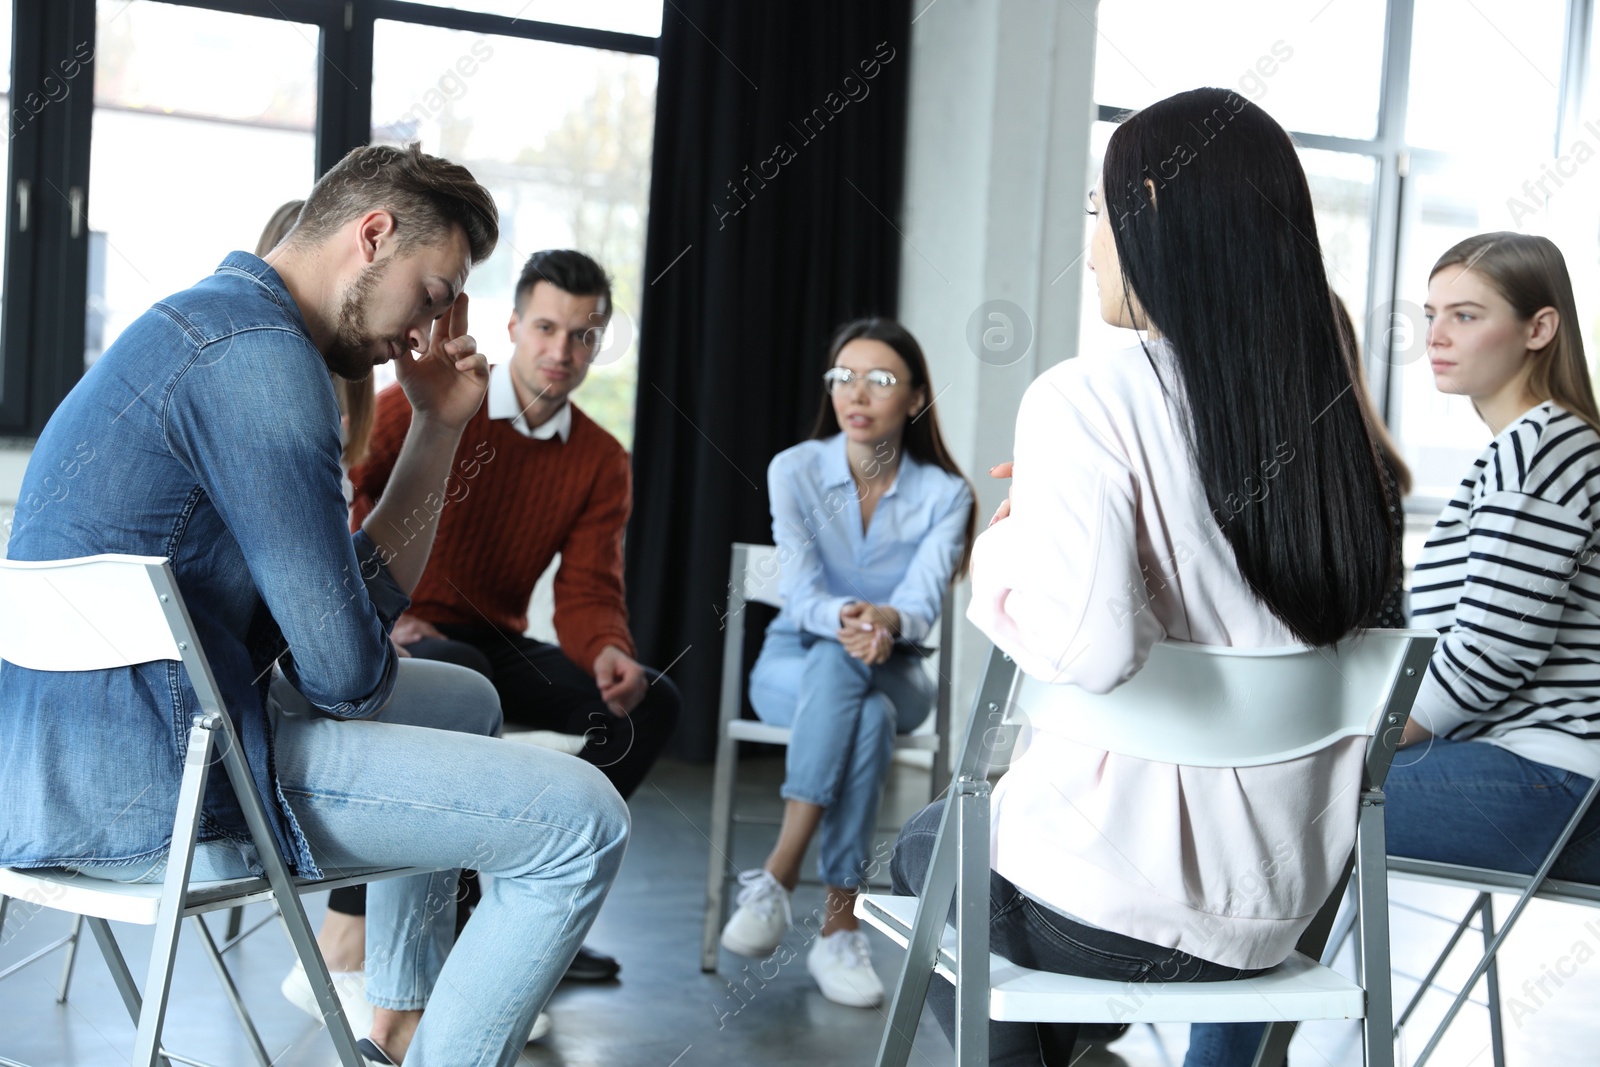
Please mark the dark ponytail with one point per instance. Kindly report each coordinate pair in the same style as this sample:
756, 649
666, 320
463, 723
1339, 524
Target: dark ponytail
1214, 228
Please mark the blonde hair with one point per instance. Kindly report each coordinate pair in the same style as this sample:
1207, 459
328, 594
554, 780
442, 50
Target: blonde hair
1531, 274
357, 403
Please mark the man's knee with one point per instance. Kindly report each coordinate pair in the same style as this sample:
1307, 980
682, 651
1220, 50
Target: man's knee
474, 704
443, 696
609, 819
444, 650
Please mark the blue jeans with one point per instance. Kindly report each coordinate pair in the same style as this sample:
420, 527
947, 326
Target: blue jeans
843, 716
392, 791
1467, 802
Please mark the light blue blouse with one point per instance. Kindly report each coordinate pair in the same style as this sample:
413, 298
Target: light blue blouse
905, 558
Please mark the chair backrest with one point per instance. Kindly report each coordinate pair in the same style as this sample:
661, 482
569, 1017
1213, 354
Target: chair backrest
1214, 706
84, 614
97, 612
100, 612
756, 568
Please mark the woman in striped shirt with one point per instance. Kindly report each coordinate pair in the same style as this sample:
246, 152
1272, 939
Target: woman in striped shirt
1509, 578
1498, 753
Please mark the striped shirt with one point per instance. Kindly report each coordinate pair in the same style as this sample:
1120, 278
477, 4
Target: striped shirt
1510, 580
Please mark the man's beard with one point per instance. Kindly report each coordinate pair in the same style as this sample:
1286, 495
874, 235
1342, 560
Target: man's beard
349, 355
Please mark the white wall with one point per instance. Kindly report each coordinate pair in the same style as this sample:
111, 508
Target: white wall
13, 462
996, 187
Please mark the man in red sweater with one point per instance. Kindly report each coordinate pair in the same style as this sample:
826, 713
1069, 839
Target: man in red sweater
535, 476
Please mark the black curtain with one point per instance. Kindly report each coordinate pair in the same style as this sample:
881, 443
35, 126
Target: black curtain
774, 201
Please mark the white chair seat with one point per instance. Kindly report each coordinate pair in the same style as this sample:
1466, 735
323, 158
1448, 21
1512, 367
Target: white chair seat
571, 744
1298, 989
139, 902
117, 901
751, 730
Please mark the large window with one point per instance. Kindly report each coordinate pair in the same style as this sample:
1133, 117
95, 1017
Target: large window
561, 137
624, 16
1421, 122
183, 98
150, 138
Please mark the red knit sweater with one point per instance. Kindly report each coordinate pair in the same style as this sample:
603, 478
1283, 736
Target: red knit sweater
512, 502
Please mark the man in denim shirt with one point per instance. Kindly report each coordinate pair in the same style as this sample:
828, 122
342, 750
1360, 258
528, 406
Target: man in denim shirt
209, 434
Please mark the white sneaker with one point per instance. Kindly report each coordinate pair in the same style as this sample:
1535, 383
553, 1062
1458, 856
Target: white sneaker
842, 965
351, 987
757, 927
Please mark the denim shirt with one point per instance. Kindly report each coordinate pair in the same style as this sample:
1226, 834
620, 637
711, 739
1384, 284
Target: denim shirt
905, 559
207, 434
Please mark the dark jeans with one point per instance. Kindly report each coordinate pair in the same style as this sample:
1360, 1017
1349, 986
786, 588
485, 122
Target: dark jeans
1466, 802
1028, 933
541, 688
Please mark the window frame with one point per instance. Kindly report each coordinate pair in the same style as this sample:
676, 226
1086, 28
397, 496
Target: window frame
1396, 162
46, 271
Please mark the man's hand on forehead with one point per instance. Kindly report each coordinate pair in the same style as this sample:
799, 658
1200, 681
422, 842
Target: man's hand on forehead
449, 340
448, 381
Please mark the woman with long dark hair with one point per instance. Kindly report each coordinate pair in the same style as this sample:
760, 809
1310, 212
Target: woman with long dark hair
1504, 717
872, 520
1218, 484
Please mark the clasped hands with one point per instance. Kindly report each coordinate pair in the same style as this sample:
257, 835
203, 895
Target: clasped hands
867, 631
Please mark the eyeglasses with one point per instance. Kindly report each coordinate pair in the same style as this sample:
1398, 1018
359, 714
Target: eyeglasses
879, 382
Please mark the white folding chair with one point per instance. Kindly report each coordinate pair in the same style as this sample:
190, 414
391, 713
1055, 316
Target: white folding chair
1484, 883
103, 612
571, 744
1198, 706
753, 579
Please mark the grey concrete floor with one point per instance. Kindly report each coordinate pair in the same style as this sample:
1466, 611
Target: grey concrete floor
665, 1013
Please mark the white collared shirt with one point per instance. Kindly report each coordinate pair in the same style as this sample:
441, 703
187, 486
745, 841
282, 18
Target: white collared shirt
503, 404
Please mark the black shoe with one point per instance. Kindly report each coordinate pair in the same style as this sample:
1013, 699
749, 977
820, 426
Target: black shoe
374, 1055
592, 966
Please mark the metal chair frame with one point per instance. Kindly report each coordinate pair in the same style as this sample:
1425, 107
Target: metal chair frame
1485, 883
234, 935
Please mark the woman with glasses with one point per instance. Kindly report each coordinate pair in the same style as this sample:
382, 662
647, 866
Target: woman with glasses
872, 520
